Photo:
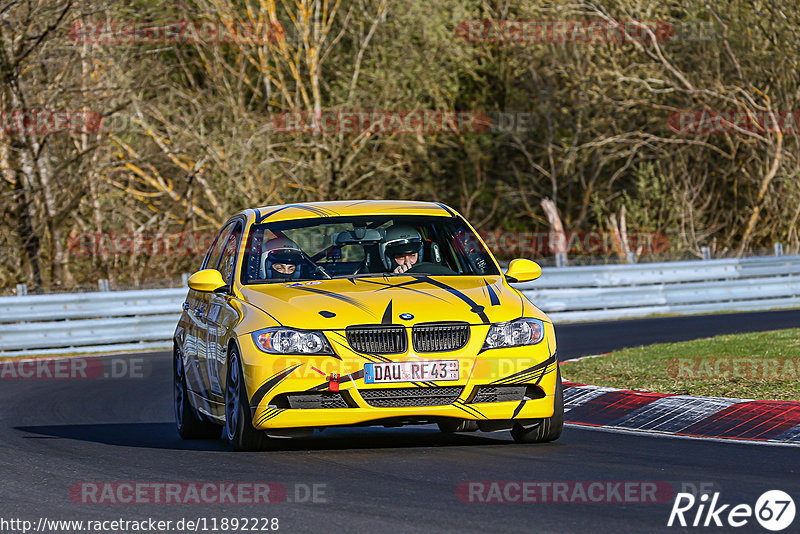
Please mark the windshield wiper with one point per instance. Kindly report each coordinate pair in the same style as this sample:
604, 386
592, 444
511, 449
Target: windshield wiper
370, 275
338, 277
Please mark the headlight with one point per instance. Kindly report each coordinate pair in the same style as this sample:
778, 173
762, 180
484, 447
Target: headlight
514, 334
290, 341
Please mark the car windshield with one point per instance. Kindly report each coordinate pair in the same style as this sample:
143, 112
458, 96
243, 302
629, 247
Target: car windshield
372, 245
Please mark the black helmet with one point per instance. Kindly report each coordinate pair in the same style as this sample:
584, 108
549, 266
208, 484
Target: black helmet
280, 250
400, 239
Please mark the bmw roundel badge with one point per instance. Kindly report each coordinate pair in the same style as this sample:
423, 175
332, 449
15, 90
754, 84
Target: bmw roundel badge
406, 316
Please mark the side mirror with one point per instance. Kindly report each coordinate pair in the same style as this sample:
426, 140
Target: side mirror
521, 270
208, 280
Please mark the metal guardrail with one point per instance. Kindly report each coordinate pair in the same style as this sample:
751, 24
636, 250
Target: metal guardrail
87, 305
145, 319
664, 273
89, 322
601, 292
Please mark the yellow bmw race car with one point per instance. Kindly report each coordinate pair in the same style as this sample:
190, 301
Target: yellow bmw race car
323, 314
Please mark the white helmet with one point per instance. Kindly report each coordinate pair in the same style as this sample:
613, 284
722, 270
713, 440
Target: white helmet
400, 239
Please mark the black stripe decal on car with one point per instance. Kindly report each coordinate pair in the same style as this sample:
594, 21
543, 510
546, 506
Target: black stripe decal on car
493, 299
525, 372
265, 388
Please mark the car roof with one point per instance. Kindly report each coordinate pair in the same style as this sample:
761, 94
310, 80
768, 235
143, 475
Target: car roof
338, 208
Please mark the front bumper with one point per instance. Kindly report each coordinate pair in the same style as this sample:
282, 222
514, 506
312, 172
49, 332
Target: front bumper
270, 379
266, 417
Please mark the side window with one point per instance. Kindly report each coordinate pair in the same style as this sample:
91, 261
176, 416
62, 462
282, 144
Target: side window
212, 258
227, 262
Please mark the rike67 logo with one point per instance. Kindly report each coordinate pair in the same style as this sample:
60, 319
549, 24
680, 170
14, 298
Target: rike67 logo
774, 510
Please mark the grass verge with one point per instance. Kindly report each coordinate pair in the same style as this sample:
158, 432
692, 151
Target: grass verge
760, 365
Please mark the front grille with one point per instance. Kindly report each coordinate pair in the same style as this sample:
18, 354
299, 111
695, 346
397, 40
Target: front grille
509, 393
439, 337
498, 393
410, 397
321, 400
377, 339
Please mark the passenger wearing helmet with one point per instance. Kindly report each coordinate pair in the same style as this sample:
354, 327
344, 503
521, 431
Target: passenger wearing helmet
280, 259
401, 248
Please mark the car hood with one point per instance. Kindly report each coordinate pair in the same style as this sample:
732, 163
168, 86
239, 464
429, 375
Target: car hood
336, 304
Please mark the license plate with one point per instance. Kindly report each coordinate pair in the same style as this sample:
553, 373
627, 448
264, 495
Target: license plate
377, 373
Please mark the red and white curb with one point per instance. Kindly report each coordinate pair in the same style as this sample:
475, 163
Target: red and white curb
682, 415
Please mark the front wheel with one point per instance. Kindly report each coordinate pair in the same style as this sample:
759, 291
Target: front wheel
189, 425
239, 429
548, 428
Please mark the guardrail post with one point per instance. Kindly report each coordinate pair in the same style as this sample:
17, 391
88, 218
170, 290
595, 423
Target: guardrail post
779, 249
185, 279
102, 284
631, 257
22, 289
706, 252
561, 259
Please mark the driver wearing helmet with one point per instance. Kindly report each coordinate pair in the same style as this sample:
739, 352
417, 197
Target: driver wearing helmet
280, 259
401, 248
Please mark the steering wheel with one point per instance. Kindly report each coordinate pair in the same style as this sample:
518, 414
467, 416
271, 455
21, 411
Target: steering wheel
317, 268
430, 268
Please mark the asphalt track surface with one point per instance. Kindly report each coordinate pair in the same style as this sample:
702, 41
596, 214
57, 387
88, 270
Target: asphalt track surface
54, 434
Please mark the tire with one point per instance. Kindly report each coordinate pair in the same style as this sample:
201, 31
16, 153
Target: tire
188, 423
239, 430
456, 425
549, 428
